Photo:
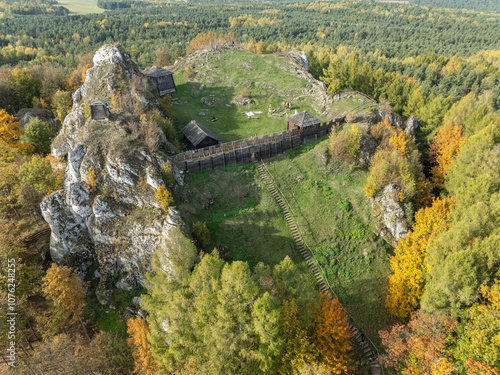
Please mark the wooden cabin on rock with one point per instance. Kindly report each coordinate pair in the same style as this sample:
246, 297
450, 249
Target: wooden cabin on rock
162, 79
99, 110
199, 136
302, 121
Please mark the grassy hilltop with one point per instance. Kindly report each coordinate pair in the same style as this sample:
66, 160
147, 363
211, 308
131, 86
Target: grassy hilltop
328, 199
229, 76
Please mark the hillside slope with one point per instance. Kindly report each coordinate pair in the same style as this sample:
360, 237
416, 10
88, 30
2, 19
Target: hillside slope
217, 83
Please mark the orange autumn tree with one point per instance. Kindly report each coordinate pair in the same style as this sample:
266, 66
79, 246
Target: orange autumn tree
406, 283
332, 336
11, 131
444, 148
84, 72
421, 347
144, 361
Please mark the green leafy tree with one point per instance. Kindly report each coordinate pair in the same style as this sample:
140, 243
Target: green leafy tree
265, 317
298, 350
39, 134
201, 234
466, 255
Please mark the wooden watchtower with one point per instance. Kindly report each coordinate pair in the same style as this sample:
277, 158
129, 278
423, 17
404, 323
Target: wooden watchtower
162, 79
302, 121
99, 110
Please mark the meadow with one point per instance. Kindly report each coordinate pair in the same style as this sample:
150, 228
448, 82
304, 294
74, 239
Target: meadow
81, 6
331, 210
233, 75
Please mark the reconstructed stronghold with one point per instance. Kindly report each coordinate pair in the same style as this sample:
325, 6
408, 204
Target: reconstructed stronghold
255, 148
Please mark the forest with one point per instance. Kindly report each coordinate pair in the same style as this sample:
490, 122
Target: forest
208, 310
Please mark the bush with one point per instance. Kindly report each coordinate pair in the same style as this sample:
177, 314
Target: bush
345, 145
201, 234
167, 174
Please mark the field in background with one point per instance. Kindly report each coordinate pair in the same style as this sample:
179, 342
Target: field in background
264, 79
81, 6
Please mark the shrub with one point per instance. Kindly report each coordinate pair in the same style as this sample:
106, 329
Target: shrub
201, 234
167, 174
164, 197
345, 145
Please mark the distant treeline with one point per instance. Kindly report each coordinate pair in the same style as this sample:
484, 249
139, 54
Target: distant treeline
409, 30
479, 5
119, 4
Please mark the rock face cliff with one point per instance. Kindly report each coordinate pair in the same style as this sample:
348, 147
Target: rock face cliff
387, 209
390, 215
106, 219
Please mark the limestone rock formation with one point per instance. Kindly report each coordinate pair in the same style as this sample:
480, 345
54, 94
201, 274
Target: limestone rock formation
410, 125
389, 213
106, 217
301, 57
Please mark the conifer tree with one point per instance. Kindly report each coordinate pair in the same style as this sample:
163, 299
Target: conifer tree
332, 336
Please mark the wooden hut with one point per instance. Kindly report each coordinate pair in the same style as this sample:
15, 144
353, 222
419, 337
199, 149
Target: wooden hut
99, 110
162, 79
302, 121
199, 136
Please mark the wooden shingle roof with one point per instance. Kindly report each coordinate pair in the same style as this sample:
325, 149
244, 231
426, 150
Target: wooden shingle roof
157, 72
99, 102
304, 119
196, 133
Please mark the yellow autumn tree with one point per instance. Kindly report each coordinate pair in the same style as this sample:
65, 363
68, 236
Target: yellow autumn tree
298, 350
144, 361
65, 292
164, 197
11, 131
445, 146
407, 281
332, 336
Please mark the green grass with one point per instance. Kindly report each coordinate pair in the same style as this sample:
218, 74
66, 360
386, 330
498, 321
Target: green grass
334, 217
81, 6
331, 210
266, 79
243, 216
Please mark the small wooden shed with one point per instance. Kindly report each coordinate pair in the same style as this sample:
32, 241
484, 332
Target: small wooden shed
162, 79
302, 120
99, 110
199, 136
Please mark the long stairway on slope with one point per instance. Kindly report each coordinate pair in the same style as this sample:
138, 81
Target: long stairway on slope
264, 175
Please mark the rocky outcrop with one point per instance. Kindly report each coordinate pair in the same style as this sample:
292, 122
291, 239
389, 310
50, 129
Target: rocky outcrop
301, 58
410, 125
25, 115
389, 213
107, 218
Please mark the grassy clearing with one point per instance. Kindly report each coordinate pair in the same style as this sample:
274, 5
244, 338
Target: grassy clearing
335, 219
265, 79
81, 6
243, 216
332, 213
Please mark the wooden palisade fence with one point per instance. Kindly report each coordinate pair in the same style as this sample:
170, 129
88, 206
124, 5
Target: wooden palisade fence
251, 149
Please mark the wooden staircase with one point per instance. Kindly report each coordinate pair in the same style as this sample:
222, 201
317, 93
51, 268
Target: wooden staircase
318, 274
